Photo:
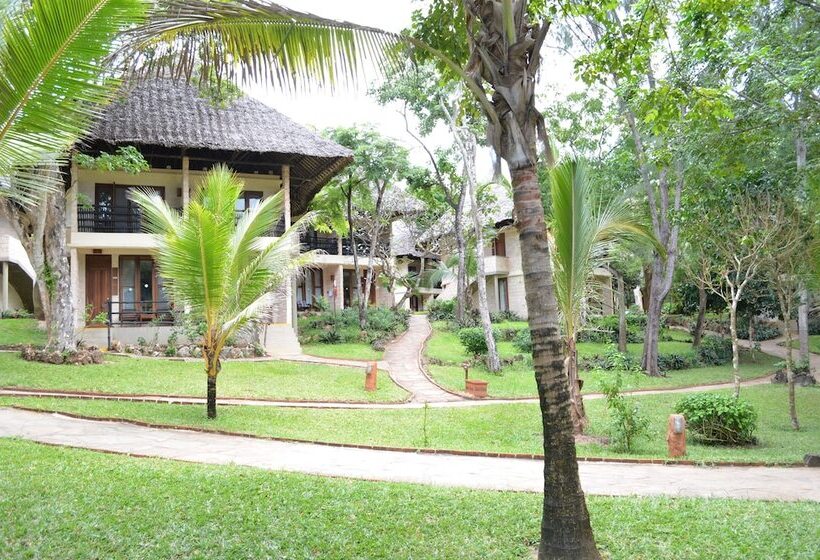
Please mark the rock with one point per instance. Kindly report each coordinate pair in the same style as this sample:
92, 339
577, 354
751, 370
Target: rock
184, 352
812, 460
54, 358
801, 378
155, 354
130, 349
116, 346
235, 353
378, 345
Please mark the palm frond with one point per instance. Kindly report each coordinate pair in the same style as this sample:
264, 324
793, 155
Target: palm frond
264, 42
54, 79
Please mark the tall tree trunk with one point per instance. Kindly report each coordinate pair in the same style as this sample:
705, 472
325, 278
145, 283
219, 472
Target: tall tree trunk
493, 362
622, 332
565, 527
57, 256
461, 273
786, 313
375, 238
697, 336
356, 271
803, 323
647, 287
735, 346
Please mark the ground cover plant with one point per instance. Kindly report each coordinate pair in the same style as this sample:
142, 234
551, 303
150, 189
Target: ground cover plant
15, 332
336, 333
123, 507
271, 379
512, 428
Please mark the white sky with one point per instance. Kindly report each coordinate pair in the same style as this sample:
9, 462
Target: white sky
349, 107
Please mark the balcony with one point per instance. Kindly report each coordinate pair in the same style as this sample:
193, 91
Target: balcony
109, 219
496, 265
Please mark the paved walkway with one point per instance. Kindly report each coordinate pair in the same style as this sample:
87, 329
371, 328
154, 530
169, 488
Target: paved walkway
484, 473
776, 347
403, 357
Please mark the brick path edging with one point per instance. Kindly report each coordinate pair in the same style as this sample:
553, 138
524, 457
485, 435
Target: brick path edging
424, 450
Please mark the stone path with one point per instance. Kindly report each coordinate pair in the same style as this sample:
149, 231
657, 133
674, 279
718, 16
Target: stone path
403, 357
484, 473
776, 347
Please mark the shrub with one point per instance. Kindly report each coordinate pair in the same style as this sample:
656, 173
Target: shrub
672, 362
714, 351
18, 314
523, 341
627, 423
763, 331
604, 330
814, 324
719, 419
441, 310
502, 316
472, 338
329, 336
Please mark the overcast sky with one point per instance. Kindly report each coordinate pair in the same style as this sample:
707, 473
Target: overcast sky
345, 108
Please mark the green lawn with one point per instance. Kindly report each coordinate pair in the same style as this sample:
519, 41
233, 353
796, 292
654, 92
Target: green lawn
445, 354
814, 343
20, 331
345, 350
263, 379
66, 503
513, 428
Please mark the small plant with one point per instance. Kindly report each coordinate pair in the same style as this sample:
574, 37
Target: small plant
673, 362
627, 423
321, 303
472, 338
714, 351
330, 336
719, 419
523, 341
441, 310
141, 342
620, 361
16, 314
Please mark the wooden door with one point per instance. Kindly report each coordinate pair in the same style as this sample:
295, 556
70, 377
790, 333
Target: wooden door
97, 283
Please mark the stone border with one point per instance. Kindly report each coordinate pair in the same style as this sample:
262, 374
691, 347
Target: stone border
428, 451
157, 398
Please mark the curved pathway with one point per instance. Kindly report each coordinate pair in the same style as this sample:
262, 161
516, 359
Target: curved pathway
484, 473
403, 357
776, 347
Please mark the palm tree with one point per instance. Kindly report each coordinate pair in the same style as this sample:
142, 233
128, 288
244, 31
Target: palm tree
52, 60
218, 268
582, 233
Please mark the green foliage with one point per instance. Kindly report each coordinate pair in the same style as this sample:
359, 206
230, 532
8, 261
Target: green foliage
472, 338
336, 327
441, 310
126, 158
504, 316
523, 341
15, 314
719, 419
51, 54
626, 422
675, 361
714, 350
605, 329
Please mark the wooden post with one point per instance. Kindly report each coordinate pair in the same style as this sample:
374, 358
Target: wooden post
186, 181
4, 303
371, 377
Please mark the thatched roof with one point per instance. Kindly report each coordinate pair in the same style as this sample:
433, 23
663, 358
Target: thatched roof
170, 114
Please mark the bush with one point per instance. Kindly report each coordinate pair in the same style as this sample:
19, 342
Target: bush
503, 316
523, 341
442, 310
763, 331
472, 338
719, 419
17, 314
329, 336
604, 330
627, 423
673, 362
814, 324
714, 351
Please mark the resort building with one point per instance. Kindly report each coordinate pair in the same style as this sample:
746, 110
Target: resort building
16, 272
182, 134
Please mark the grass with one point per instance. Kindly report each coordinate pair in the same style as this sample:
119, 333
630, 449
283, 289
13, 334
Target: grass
20, 331
512, 428
517, 379
259, 379
344, 350
68, 503
814, 343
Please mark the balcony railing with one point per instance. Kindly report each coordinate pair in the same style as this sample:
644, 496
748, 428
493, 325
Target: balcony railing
139, 313
109, 219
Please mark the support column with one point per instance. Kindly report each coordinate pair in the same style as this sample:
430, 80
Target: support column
340, 288
4, 296
186, 181
71, 198
290, 288
74, 270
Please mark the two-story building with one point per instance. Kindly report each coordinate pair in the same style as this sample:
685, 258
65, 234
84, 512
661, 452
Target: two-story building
182, 134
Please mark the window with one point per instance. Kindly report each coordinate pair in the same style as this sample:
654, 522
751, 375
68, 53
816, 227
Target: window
503, 295
142, 295
500, 246
248, 200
